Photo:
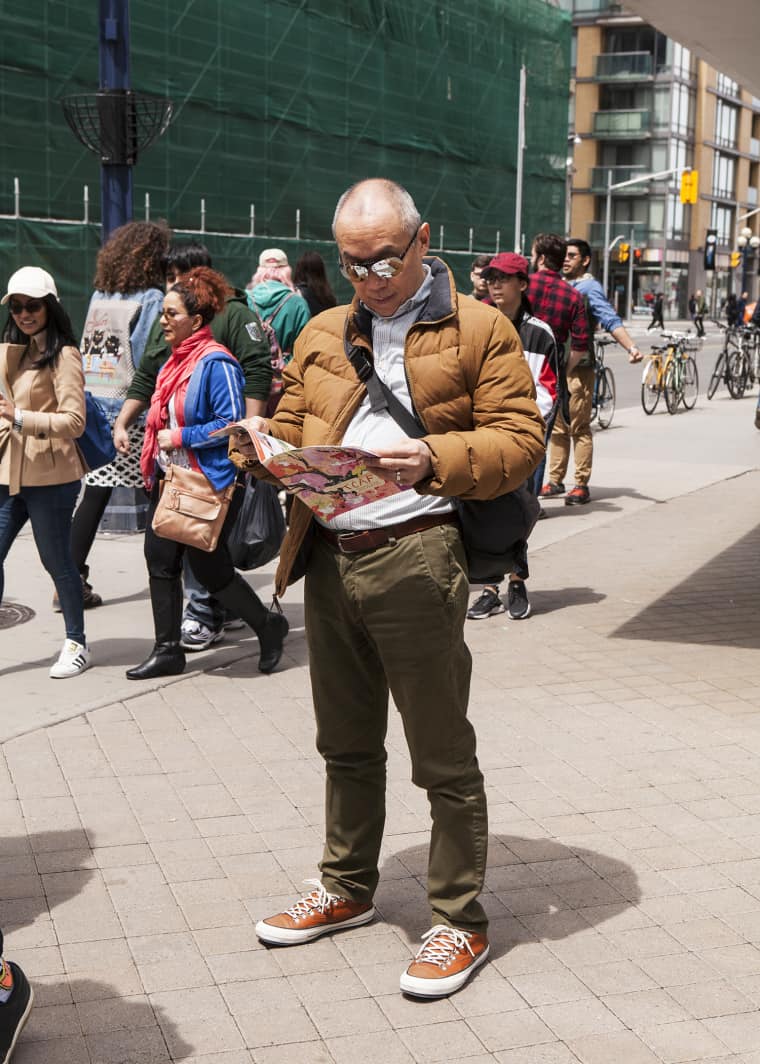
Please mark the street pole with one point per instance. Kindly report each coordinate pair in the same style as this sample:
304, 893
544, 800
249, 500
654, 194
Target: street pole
520, 158
608, 210
607, 221
630, 278
113, 54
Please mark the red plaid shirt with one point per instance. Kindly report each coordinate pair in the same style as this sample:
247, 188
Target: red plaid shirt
555, 301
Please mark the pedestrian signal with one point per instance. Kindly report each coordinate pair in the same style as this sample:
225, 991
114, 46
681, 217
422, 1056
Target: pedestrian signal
711, 240
689, 185
624, 251
736, 258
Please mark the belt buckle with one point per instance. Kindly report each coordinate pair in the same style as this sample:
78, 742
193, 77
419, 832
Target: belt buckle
340, 537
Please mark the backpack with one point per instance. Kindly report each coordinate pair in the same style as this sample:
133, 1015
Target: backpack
278, 357
106, 347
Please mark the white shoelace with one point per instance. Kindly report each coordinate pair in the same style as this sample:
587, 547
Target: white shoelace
318, 901
441, 943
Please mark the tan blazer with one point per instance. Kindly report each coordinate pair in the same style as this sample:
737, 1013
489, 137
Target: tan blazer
51, 400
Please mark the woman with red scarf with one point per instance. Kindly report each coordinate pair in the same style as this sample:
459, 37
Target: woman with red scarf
199, 389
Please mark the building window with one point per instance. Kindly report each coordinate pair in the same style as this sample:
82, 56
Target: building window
722, 219
723, 176
726, 123
681, 61
727, 86
681, 110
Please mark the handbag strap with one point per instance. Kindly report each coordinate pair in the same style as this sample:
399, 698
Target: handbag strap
380, 396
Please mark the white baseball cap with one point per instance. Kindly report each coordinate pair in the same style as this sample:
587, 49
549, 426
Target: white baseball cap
30, 281
273, 257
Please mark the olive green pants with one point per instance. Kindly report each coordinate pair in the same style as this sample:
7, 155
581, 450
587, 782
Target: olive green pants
393, 619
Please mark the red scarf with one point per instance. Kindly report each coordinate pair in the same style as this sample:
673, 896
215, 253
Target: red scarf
177, 369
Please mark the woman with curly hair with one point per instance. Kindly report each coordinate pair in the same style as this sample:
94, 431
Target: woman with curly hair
199, 389
129, 279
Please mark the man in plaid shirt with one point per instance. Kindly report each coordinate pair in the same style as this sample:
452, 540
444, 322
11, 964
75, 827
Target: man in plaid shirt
556, 302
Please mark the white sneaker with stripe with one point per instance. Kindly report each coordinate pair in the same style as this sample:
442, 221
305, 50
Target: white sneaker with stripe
73, 659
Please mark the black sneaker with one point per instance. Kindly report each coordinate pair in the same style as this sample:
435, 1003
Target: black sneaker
757, 417
487, 605
14, 1013
550, 491
517, 598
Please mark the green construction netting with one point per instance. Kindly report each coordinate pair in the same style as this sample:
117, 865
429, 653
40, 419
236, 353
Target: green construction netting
282, 104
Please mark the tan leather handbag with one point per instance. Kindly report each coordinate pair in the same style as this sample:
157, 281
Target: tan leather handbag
189, 510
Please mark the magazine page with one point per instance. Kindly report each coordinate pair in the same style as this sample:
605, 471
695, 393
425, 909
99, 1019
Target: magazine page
329, 479
332, 480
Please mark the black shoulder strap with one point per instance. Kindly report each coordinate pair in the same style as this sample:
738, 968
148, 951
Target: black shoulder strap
380, 396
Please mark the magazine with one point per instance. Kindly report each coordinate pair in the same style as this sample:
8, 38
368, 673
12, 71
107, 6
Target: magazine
330, 480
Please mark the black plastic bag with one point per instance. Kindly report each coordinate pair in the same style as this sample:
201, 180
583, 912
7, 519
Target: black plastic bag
259, 529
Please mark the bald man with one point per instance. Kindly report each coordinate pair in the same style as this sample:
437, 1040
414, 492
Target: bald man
386, 584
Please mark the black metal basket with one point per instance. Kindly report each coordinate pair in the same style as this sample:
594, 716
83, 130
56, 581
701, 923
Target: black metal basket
116, 124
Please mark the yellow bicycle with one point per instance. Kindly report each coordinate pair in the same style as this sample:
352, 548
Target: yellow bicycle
670, 370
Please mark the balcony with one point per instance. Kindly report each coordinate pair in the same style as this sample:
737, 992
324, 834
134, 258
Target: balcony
640, 233
600, 179
622, 125
624, 66
590, 7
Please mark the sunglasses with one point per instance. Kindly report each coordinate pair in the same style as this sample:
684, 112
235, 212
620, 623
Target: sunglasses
31, 306
385, 268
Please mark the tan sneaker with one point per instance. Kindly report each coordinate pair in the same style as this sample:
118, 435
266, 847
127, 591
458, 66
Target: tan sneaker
313, 915
445, 962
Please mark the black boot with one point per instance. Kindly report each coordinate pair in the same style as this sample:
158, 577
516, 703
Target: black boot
166, 659
270, 626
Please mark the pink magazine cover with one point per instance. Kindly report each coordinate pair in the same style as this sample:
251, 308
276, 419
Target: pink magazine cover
329, 480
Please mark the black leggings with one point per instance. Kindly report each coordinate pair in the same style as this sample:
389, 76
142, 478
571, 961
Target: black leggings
87, 517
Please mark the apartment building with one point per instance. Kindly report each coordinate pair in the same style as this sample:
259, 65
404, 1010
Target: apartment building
641, 103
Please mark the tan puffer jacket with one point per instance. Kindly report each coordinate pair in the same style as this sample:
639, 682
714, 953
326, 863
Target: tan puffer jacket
469, 382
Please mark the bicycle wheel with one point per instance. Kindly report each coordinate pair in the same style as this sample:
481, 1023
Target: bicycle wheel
736, 374
672, 387
689, 383
605, 403
717, 375
650, 388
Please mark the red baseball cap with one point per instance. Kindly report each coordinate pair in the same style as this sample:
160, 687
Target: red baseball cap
506, 262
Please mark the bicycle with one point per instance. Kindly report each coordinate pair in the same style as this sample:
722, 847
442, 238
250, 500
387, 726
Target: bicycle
670, 370
732, 365
603, 397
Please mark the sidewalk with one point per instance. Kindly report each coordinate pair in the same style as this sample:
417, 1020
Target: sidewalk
147, 826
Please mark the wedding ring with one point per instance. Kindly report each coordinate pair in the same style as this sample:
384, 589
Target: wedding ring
398, 476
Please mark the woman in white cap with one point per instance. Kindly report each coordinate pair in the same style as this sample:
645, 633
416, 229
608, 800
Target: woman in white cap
42, 413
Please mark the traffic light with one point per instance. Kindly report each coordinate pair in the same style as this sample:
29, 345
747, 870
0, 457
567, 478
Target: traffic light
689, 186
637, 255
711, 240
623, 252
736, 258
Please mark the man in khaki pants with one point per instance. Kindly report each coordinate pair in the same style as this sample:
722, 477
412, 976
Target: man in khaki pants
386, 583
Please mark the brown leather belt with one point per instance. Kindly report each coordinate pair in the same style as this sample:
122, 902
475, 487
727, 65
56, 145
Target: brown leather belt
372, 538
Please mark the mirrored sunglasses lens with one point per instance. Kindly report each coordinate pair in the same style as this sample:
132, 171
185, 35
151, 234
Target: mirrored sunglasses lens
354, 273
388, 267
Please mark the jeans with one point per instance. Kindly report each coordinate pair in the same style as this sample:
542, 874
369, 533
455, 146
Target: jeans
201, 604
49, 508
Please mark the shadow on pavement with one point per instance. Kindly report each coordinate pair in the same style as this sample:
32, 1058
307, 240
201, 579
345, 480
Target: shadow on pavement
717, 604
80, 1018
536, 890
563, 598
